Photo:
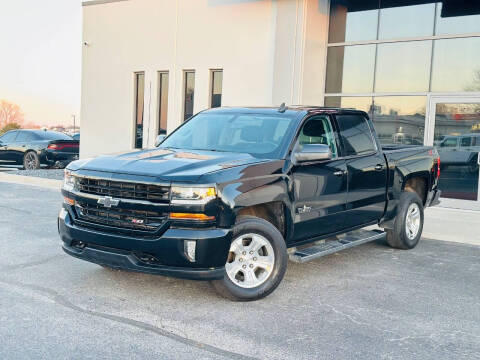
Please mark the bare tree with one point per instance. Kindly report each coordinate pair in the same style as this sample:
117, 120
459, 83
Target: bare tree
10, 113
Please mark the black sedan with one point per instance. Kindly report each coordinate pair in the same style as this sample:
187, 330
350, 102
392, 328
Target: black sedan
33, 148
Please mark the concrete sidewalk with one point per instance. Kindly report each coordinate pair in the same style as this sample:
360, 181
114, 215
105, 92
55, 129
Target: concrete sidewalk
30, 180
462, 226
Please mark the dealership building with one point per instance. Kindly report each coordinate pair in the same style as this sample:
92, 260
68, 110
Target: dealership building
413, 65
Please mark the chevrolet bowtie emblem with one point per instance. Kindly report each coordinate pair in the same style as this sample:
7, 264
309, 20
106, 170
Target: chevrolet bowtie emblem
108, 201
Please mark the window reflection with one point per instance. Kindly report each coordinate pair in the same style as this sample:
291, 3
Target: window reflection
353, 20
403, 66
216, 95
354, 102
139, 102
189, 94
400, 119
456, 65
450, 25
350, 69
162, 103
405, 21
457, 139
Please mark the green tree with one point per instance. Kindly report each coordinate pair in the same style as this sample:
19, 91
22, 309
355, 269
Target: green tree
8, 127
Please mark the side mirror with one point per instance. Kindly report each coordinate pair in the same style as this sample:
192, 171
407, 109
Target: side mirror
312, 152
159, 140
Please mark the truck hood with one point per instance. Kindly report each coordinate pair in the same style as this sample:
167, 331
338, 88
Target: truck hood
166, 164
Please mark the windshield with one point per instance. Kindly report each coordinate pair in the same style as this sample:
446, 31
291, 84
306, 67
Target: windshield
257, 134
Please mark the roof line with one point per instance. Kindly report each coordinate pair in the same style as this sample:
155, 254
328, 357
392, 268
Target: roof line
99, 2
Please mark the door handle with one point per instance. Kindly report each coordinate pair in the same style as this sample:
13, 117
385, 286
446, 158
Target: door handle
379, 167
339, 173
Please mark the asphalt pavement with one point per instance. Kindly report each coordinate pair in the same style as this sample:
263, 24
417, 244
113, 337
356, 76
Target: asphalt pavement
368, 302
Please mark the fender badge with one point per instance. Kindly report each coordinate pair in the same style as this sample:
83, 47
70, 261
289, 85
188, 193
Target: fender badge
304, 209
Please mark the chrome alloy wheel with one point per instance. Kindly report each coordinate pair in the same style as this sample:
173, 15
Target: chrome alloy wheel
30, 161
250, 260
412, 222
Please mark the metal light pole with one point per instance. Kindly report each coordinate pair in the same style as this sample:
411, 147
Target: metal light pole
73, 116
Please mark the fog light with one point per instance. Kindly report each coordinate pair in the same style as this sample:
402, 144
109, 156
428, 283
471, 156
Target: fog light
189, 248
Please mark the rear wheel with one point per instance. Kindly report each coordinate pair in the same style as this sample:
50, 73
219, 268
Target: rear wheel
256, 262
408, 224
31, 161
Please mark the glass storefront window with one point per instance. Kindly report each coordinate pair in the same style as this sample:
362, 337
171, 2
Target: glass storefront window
400, 119
189, 93
405, 21
350, 69
353, 21
403, 66
354, 102
139, 104
456, 65
451, 25
457, 139
162, 102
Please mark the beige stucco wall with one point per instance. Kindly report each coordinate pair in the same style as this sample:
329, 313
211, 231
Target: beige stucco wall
265, 48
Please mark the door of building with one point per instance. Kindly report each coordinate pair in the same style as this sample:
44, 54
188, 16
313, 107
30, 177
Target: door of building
453, 128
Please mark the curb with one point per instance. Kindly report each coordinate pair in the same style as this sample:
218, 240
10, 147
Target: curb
32, 181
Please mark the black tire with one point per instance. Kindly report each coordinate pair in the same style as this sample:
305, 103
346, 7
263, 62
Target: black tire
247, 225
31, 161
397, 237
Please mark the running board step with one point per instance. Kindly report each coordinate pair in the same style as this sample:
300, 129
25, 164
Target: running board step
342, 242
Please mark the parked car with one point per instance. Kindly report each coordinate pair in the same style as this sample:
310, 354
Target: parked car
76, 136
234, 192
33, 148
461, 150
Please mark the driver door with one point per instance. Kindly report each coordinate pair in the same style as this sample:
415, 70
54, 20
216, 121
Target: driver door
5, 141
320, 187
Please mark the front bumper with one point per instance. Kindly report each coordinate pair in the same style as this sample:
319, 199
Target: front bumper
164, 255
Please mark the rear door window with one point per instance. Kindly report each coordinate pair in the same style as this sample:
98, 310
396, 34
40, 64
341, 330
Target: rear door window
355, 135
23, 136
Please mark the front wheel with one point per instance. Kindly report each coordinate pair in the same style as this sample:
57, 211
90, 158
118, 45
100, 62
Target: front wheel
256, 262
408, 225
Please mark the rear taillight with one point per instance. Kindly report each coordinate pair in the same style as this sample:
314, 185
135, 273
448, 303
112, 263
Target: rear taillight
61, 146
438, 167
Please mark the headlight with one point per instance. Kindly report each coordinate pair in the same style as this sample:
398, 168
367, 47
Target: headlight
69, 181
192, 195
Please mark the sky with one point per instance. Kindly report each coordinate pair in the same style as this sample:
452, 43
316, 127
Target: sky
40, 58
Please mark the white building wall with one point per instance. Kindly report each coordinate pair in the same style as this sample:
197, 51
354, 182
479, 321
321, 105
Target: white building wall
263, 46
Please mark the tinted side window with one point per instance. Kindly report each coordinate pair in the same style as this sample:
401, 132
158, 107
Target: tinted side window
318, 130
23, 136
8, 137
355, 135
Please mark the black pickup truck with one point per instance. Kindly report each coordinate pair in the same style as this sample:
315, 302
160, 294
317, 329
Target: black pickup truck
233, 193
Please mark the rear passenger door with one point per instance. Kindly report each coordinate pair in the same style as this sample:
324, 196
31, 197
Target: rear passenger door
18, 147
366, 169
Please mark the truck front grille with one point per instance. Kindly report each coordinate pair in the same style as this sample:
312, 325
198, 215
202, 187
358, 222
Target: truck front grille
120, 218
124, 190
